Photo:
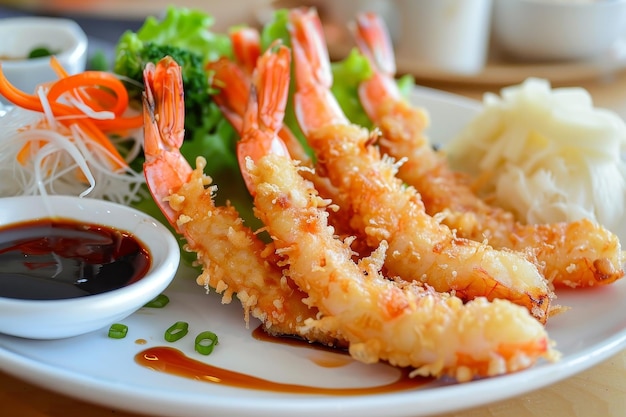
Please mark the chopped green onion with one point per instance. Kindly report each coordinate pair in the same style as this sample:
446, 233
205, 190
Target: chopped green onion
205, 342
118, 331
159, 301
176, 331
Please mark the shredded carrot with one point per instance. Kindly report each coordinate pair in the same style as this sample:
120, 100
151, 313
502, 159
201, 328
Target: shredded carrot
96, 98
61, 110
99, 91
103, 80
57, 67
120, 124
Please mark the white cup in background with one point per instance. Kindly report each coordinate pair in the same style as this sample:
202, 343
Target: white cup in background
345, 11
447, 35
552, 30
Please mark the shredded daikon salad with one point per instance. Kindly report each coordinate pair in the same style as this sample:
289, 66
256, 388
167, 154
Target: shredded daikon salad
72, 139
548, 155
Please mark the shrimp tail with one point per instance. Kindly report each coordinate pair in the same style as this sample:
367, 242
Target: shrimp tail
246, 43
374, 42
233, 88
264, 115
165, 168
314, 103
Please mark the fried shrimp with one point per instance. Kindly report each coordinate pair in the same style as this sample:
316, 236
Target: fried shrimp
232, 257
575, 254
232, 79
406, 324
384, 209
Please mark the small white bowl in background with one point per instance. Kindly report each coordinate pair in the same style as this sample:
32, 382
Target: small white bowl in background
444, 35
20, 35
60, 318
557, 30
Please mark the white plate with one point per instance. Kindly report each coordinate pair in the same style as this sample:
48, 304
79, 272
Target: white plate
102, 370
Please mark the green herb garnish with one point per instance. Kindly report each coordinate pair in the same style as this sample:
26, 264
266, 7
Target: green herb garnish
205, 342
118, 331
159, 301
176, 331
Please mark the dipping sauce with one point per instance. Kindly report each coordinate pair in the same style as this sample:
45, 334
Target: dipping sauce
51, 259
173, 361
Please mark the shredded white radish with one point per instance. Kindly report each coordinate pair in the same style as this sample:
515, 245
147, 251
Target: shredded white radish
98, 115
60, 160
547, 154
47, 110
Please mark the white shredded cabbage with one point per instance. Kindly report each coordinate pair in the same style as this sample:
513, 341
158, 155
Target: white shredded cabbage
546, 154
60, 160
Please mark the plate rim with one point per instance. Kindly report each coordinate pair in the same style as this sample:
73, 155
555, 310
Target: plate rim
142, 400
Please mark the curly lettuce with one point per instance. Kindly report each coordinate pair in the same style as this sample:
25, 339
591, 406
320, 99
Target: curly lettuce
185, 35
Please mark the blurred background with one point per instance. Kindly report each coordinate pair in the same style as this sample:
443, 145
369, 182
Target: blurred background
108, 19
485, 43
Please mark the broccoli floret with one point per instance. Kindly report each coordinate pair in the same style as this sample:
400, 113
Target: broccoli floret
184, 35
198, 101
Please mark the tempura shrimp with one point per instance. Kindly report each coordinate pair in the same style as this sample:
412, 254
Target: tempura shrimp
406, 324
233, 258
383, 209
575, 254
232, 80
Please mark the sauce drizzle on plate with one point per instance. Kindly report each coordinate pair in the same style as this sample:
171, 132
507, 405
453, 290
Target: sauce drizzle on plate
174, 362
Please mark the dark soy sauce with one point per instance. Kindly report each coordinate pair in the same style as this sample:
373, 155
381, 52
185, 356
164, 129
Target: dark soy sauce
174, 362
51, 259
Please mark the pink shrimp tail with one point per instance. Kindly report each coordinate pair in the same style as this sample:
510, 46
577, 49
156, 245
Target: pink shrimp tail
374, 42
264, 116
234, 88
315, 104
246, 43
165, 168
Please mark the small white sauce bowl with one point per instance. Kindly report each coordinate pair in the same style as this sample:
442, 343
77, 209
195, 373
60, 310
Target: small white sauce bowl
558, 30
20, 35
53, 319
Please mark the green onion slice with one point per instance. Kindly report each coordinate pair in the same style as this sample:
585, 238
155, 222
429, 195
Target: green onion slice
205, 342
177, 331
159, 301
118, 331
